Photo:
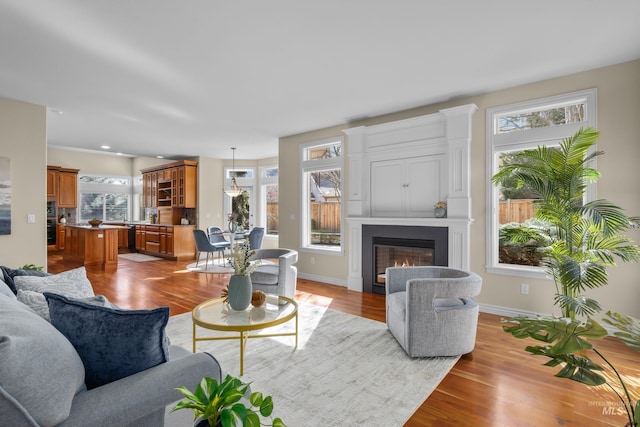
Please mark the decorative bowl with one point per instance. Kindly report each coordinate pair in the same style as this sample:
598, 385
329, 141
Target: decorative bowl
94, 222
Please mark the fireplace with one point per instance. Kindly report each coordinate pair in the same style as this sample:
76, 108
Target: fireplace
396, 245
397, 172
391, 252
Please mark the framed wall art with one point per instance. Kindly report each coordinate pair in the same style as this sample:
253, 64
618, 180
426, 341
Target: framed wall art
5, 195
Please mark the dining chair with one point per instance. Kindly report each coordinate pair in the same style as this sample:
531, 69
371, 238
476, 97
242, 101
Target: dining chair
203, 244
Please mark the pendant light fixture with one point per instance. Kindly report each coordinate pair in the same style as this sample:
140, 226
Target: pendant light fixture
234, 190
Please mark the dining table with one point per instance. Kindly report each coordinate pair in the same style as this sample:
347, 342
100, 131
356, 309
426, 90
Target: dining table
234, 235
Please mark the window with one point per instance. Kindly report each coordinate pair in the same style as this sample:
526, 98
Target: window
322, 195
241, 206
269, 192
519, 127
244, 173
104, 197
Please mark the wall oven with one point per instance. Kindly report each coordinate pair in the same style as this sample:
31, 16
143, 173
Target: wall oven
51, 231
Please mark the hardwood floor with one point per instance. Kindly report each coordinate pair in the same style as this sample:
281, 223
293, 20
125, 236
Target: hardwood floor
496, 385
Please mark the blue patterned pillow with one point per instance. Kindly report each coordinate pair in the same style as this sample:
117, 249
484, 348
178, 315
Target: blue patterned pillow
112, 343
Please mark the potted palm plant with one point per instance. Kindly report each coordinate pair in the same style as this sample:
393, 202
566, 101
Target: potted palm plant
223, 404
577, 242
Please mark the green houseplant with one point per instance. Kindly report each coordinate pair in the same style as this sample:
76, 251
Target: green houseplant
577, 242
222, 404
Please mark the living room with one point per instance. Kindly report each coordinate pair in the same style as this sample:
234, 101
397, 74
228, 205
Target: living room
23, 136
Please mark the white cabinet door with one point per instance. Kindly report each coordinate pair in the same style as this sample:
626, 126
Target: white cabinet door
406, 187
423, 185
387, 191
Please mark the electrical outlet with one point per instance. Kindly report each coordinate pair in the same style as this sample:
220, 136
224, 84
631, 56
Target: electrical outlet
313, 260
524, 289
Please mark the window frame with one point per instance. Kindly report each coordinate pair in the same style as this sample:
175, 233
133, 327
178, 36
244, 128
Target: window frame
523, 140
267, 181
104, 189
247, 184
308, 166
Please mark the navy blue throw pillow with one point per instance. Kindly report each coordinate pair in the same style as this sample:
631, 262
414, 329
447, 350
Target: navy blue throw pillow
112, 343
10, 273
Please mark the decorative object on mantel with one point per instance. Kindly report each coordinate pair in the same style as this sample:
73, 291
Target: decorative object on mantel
440, 210
233, 190
94, 222
240, 288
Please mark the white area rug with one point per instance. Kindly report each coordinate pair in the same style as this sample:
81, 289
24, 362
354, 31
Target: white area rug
214, 266
346, 371
138, 257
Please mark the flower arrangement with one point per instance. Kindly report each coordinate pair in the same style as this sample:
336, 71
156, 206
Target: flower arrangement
240, 260
441, 204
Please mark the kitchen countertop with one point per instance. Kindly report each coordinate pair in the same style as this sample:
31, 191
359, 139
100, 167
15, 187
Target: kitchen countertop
101, 226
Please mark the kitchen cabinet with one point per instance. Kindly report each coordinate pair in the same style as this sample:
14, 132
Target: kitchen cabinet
52, 184
141, 238
94, 247
123, 237
407, 187
60, 241
167, 241
62, 186
171, 185
67, 188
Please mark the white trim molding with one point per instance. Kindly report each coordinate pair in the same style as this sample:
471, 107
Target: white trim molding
443, 137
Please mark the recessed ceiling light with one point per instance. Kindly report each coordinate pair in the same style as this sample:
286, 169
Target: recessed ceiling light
105, 147
159, 157
118, 154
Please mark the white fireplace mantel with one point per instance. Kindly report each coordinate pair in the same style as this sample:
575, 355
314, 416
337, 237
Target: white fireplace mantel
443, 139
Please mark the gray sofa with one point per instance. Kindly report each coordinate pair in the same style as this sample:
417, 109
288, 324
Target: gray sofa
42, 376
276, 273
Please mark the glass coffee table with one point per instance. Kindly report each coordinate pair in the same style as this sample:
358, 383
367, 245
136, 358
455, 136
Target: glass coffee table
216, 315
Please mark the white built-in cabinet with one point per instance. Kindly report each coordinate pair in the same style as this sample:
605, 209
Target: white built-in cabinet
406, 187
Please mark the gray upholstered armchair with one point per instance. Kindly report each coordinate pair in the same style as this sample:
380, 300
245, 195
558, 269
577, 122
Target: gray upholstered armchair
278, 276
431, 310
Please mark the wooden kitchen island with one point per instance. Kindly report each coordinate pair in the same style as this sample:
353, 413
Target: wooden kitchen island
94, 247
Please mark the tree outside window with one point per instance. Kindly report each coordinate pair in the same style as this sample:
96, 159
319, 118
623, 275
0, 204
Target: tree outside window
322, 178
511, 130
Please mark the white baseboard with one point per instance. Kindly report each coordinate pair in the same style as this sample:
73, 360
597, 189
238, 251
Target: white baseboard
323, 279
505, 311
512, 312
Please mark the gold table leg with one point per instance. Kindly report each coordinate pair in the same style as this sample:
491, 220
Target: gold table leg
194, 338
243, 345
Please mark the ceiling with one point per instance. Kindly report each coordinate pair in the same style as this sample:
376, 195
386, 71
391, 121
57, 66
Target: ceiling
194, 78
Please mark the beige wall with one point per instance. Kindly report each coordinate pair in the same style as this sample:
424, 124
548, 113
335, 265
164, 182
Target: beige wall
210, 193
91, 163
23, 139
618, 111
